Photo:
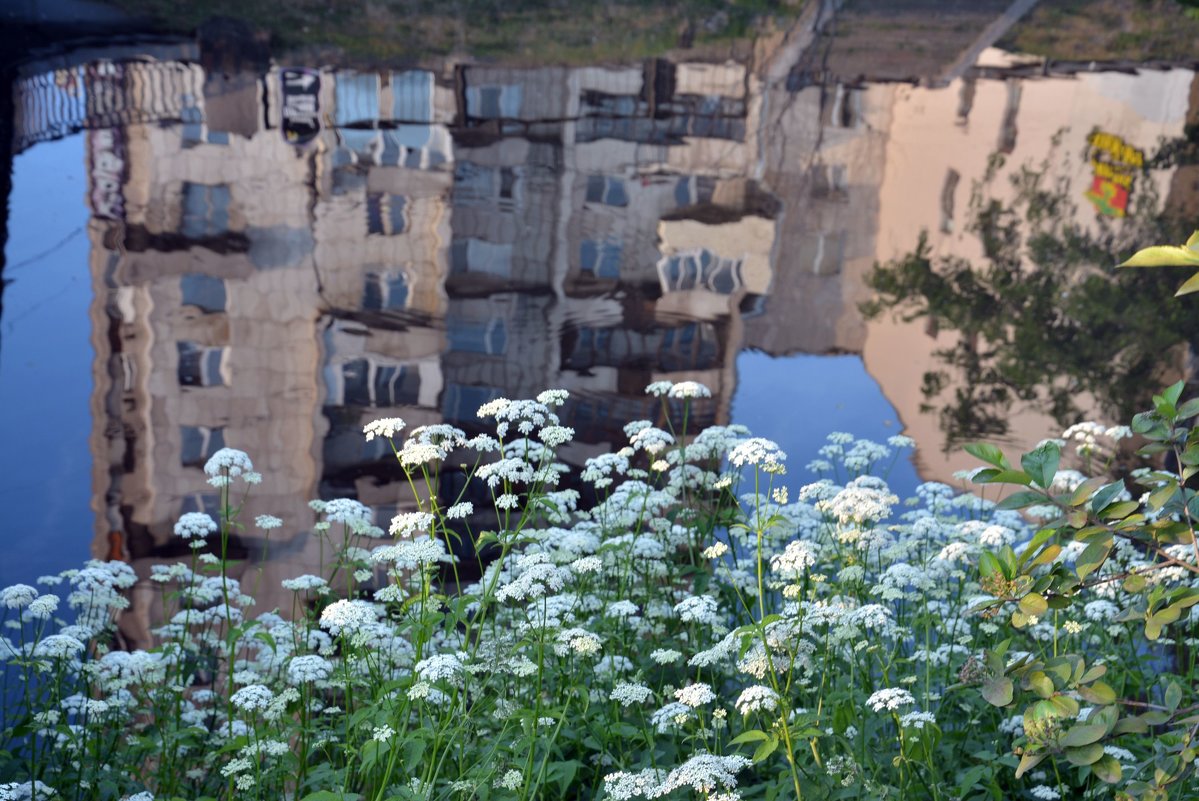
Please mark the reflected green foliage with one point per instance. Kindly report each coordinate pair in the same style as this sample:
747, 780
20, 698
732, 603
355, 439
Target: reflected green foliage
528, 32
1045, 317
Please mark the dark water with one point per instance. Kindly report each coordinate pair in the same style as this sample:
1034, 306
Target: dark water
268, 255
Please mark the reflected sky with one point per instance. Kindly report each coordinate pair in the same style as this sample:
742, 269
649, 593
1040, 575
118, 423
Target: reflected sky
46, 367
820, 395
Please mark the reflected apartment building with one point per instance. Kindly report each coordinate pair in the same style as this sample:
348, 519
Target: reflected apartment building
443, 240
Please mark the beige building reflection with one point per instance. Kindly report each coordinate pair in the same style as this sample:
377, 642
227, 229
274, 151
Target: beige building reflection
458, 234
445, 239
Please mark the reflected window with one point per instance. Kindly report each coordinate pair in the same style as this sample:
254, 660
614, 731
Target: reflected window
385, 290
699, 269
477, 336
606, 189
367, 382
205, 292
821, 252
198, 444
193, 122
201, 366
356, 98
460, 402
600, 259
207, 502
205, 210
481, 256
385, 214
829, 181
494, 102
412, 96
684, 191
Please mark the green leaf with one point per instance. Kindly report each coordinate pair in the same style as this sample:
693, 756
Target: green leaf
766, 749
988, 453
1173, 696
1019, 500
1041, 464
1092, 557
1190, 285
1163, 256
1085, 755
988, 565
1108, 769
998, 691
1104, 495
1097, 693
1041, 684
1188, 409
1173, 392
1193, 241
1084, 734
1033, 605
751, 736
1119, 510
1028, 762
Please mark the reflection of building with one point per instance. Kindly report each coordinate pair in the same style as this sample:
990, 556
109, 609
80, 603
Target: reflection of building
438, 244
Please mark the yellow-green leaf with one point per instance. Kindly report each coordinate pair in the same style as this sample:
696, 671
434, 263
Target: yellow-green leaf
1189, 286
1164, 256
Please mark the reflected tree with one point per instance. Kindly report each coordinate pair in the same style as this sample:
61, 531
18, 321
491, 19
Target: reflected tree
1045, 319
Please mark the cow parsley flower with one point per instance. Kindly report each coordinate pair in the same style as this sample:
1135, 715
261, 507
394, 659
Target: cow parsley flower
705, 773
917, 720
195, 524
304, 583
689, 389
17, 596
307, 669
511, 780
228, 462
695, 695
267, 522
348, 616
756, 698
1044, 793
627, 693
43, 608
759, 452
890, 699
386, 427
460, 511
665, 656
252, 697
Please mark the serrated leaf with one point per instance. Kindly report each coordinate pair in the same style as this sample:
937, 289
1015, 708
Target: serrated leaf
1163, 256
1047, 555
998, 691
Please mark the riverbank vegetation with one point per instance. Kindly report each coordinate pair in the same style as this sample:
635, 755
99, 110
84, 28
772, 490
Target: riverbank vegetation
690, 616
